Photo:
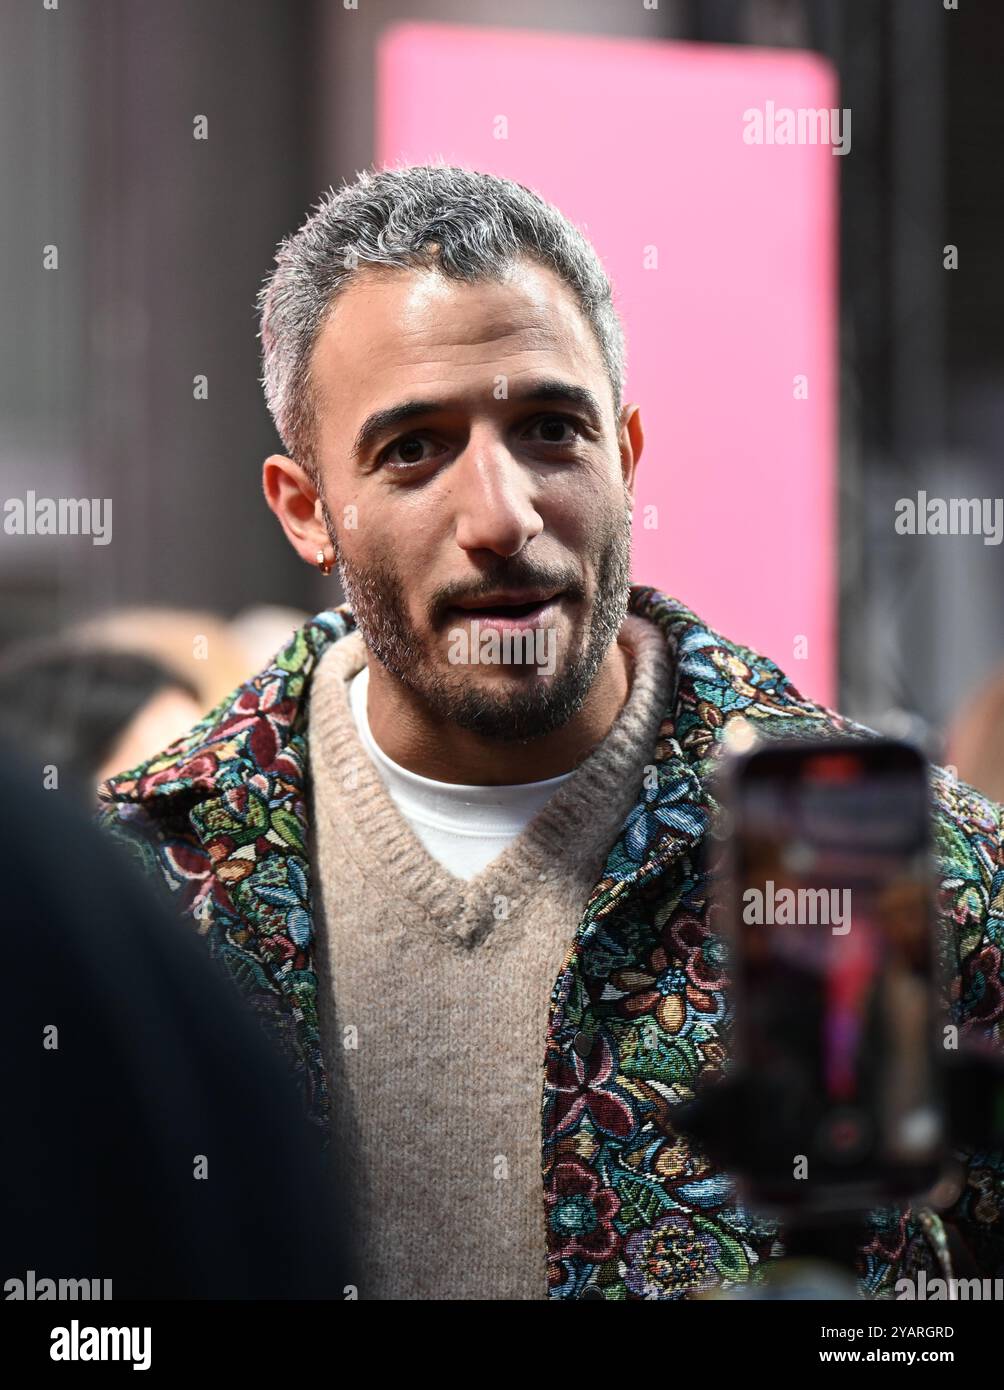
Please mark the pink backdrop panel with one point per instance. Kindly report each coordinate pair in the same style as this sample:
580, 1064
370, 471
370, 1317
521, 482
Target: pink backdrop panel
723, 260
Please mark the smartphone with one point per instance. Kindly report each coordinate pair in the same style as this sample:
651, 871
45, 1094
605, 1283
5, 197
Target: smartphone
828, 887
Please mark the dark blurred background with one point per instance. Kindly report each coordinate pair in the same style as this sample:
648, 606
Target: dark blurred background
164, 242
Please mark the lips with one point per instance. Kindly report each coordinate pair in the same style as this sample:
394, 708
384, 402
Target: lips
509, 610
508, 602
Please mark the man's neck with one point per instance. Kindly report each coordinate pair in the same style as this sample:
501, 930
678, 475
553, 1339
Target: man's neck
412, 736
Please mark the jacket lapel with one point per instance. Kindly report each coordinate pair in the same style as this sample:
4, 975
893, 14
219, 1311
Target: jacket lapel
615, 1049
238, 781
714, 685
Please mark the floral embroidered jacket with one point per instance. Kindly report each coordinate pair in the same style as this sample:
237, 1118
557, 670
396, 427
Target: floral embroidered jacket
639, 1013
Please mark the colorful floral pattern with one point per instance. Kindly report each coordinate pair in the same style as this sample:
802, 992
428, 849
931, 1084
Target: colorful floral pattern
639, 1015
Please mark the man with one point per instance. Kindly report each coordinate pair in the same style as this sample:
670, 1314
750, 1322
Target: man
457, 831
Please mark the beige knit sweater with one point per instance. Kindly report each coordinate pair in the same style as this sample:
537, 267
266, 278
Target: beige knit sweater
433, 995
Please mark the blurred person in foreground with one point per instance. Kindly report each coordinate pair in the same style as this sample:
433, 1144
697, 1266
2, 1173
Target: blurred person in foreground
153, 1138
455, 833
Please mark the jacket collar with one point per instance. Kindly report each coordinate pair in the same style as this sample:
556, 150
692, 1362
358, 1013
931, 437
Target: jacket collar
248, 734
249, 754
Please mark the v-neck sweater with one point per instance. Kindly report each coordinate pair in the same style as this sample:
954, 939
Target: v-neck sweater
433, 994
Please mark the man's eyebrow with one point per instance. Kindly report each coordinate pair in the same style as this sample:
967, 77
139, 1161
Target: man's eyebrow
547, 389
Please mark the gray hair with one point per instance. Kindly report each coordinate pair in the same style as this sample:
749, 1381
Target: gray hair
467, 225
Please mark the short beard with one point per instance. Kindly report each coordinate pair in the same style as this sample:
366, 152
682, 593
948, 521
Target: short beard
377, 599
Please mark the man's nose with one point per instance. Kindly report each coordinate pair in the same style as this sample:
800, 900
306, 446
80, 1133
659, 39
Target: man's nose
492, 496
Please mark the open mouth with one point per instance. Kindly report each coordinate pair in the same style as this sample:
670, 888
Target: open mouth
503, 612
507, 610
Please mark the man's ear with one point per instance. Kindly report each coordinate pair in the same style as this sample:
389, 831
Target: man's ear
631, 442
292, 495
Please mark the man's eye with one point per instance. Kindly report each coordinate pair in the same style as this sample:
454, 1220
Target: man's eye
553, 425
410, 447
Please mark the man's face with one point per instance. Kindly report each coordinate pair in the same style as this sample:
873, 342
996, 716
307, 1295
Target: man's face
482, 534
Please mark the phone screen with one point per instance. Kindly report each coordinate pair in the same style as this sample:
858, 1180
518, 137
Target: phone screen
831, 913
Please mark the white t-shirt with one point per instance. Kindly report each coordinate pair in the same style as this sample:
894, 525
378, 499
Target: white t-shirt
465, 828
